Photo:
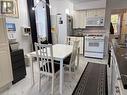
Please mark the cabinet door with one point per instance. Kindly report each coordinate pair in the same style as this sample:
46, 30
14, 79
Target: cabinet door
115, 84
5, 61
79, 19
113, 76
75, 20
82, 19
5, 67
101, 13
90, 13
97, 12
117, 88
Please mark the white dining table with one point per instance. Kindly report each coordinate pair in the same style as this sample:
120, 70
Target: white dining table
60, 52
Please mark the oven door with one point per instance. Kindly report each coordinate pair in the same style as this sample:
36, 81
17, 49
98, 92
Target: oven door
94, 45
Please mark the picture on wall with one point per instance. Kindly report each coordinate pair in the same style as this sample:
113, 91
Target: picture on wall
9, 8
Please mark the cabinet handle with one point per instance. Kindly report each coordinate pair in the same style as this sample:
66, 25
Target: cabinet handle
117, 89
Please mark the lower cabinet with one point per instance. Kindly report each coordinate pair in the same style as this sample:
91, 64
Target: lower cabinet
71, 39
116, 83
5, 61
5, 68
18, 65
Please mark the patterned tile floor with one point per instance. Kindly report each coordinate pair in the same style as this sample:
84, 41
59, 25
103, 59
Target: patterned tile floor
24, 87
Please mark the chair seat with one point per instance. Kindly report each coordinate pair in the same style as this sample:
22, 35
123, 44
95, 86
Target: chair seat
56, 67
67, 60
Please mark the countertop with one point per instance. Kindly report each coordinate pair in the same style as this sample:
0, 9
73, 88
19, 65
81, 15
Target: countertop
74, 35
121, 57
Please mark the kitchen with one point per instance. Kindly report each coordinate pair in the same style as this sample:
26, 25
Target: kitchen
86, 21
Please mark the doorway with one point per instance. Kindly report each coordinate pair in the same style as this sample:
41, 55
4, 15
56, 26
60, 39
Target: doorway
115, 20
119, 23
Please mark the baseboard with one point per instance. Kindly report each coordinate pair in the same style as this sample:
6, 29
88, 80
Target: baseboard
5, 87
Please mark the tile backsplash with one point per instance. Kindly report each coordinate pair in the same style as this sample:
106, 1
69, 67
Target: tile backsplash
87, 31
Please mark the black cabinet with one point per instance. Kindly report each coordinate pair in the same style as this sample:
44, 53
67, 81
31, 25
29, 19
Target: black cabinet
18, 65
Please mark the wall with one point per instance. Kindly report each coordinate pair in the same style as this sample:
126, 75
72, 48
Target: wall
23, 20
59, 6
111, 5
90, 5
118, 4
124, 24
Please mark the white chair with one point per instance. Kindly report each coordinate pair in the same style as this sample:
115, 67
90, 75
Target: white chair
46, 63
70, 61
70, 40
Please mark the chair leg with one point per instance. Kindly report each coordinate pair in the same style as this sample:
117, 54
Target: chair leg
74, 70
40, 83
69, 69
52, 92
70, 72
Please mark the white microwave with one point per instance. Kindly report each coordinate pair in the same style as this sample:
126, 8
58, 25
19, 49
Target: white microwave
95, 21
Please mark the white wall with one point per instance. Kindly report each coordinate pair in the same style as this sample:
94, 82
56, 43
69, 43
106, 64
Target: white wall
111, 5
59, 6
90, 5
118, 4
23, 20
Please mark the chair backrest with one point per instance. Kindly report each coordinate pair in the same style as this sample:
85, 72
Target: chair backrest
74, 52
45, 58
70, 40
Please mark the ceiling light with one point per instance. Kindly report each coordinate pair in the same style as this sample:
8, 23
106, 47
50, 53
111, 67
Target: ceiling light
37, 1
33, 8
50, 6
41, 1
67, 11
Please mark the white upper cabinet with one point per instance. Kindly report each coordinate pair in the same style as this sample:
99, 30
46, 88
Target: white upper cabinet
96, 13
79, 17
101, 13
90, 13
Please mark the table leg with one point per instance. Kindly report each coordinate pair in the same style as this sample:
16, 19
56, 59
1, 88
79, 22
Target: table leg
78, 58
32, 69
61, 77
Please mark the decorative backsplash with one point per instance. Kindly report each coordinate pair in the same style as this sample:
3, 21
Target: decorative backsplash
87, 31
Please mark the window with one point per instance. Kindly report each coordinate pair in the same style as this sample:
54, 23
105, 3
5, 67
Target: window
115, 22
41, 20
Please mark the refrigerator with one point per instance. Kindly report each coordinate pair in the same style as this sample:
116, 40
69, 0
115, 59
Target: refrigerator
62, 26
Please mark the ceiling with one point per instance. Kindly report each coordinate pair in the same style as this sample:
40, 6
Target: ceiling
80, 1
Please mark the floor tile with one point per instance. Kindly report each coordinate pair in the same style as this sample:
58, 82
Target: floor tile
24, 87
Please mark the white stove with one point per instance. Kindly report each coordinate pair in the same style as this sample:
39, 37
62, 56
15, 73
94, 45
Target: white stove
94, 46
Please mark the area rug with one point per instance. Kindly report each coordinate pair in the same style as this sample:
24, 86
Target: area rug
93, 80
